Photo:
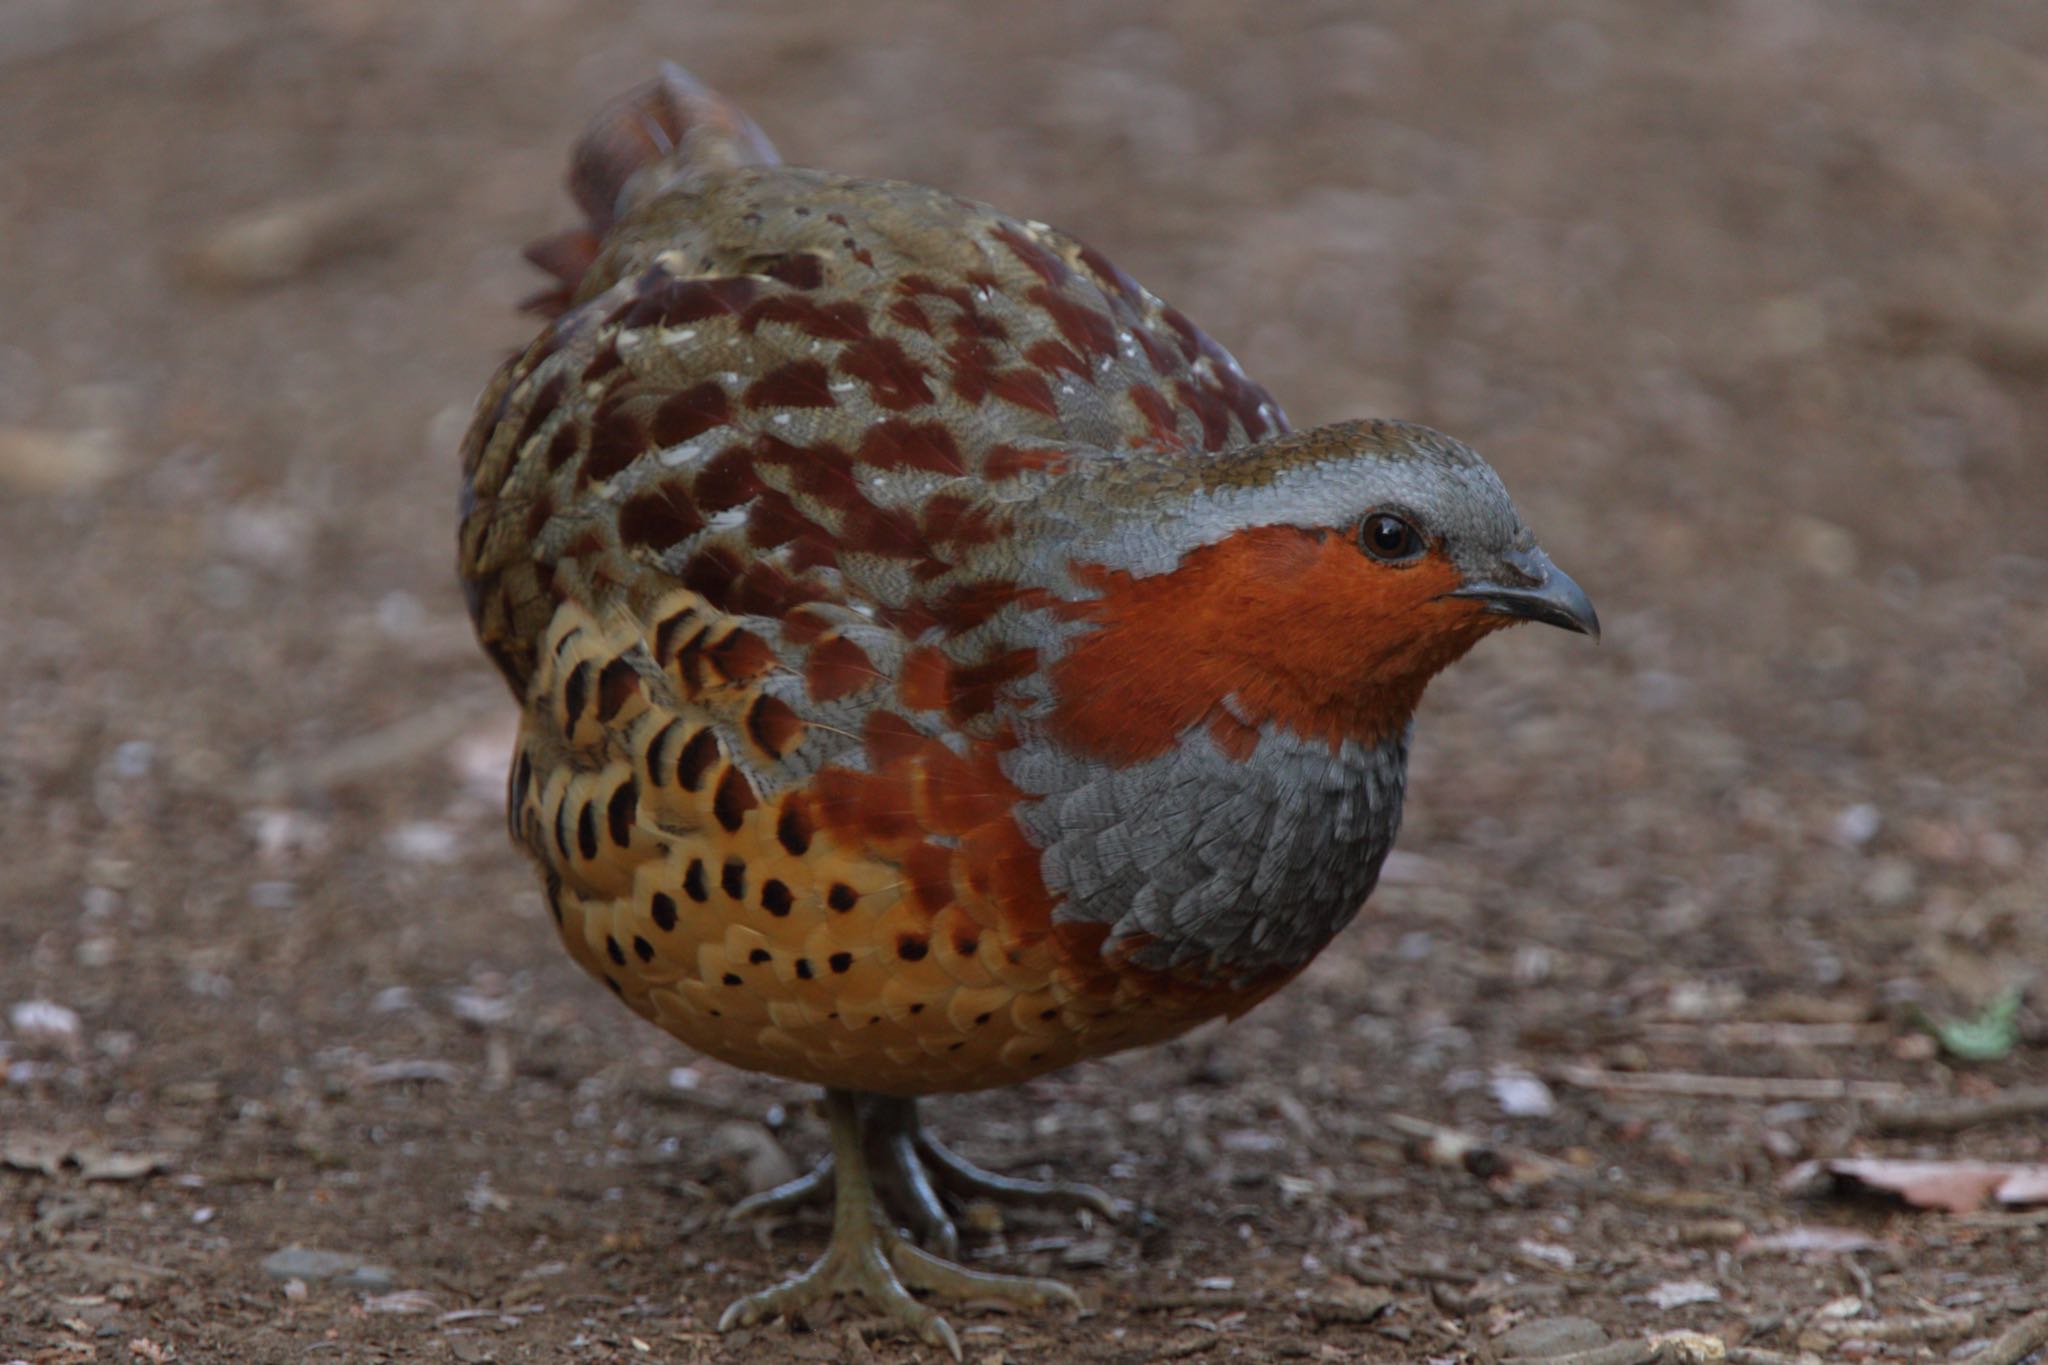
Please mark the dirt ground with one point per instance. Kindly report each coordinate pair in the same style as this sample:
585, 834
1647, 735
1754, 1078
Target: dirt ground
1746, 300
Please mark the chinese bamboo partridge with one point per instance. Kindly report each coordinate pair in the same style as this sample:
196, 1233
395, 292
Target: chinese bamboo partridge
939, 662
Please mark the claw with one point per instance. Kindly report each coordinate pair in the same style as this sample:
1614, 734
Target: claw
921, 1270
962, 1178
859, 1270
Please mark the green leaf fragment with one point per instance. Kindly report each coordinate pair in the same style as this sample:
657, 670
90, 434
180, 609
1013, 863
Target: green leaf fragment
1987, 1036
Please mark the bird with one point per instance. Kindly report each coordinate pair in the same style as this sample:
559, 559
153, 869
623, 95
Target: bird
938, 662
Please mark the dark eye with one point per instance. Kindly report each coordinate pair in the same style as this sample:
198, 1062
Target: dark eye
1385, 536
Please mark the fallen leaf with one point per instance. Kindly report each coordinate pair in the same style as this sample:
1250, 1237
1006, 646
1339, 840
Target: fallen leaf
1950, 1186
49, 1155
401, 1301
34, 1152
100, 1163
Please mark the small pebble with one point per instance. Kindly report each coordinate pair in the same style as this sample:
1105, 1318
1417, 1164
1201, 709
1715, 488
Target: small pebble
44, 1021
422, 841
1521, 1095
1857, 825
311, 1265
752, 1149
1350, 1303
1681, 1293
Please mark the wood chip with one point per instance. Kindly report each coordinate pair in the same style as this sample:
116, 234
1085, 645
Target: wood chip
1497, 1164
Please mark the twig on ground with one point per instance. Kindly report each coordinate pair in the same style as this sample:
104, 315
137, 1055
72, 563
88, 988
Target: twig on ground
1767, 1033
1928, 1327
1614, 1353
2025, 1337
365, 755
1766, 1088
1952, 1115
2026, 1218
1211, 1299
1666, 1348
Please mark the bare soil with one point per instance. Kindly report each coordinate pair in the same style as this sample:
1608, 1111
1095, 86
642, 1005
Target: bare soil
1745, 300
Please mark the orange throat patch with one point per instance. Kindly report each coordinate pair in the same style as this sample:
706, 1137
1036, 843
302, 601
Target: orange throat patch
1299, 627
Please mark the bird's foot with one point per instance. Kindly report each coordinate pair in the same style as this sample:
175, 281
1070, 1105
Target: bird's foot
806, 1191
923, 1177
918, 1178
856, 1267
881, 1269
961, 1178
868, 1259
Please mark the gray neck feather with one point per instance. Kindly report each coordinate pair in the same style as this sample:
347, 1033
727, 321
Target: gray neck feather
1240, 866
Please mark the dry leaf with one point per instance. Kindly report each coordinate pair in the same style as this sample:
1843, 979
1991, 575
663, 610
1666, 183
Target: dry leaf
33, 461
1951, 1186
49, 1155
34, 1152
100, 1163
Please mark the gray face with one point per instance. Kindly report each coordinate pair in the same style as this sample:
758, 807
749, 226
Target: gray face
1142, 514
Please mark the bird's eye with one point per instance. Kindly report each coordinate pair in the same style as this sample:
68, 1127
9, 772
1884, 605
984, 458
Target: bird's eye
1387, 537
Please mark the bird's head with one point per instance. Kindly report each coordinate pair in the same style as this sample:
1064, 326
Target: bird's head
1316, 581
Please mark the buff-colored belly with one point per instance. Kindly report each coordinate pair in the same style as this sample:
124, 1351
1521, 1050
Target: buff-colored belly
870, 996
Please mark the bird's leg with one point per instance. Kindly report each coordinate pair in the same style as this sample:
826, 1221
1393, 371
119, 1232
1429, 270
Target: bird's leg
892, 1135
919, 1171
857, 1261
868, 1259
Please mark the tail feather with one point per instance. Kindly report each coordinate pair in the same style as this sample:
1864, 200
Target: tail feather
673, 128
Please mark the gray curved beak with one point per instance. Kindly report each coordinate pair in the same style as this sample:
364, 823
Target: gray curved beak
1531, 588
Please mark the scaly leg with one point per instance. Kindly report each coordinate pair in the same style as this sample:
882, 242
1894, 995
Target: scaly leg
927, 1171
867, 1259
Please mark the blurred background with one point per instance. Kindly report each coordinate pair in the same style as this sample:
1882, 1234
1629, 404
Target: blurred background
1746, 301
